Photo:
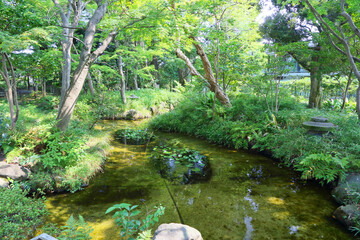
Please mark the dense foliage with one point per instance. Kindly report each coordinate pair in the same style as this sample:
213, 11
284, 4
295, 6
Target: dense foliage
19, 215
126, 217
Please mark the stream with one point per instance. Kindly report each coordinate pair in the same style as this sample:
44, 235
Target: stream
248, 196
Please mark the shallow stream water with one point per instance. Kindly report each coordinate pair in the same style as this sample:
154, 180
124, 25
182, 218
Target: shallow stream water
248, 196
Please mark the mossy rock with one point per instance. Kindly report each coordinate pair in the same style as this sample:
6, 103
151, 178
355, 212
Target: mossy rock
346, 190
349, 215
133, 136
181, 166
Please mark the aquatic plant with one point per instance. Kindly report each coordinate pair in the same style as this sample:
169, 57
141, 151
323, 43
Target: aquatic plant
134, 136
180, 165
125, 217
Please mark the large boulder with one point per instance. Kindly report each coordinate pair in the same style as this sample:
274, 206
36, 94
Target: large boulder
44, 236
345, 189
176, 231
13, 171
348, 215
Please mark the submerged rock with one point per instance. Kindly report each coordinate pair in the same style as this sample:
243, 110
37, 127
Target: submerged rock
176, 231
348, 215
345, 190
181, 166
13, 171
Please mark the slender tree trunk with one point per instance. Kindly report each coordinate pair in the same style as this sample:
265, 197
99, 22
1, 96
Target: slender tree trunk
122, 76
10, 92
66, 68
43, 87
346, 91
90, 83
358, 101
135, 79
209, 76
67, 106
315, 88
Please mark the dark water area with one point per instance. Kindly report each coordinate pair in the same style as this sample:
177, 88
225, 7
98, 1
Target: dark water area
247, 197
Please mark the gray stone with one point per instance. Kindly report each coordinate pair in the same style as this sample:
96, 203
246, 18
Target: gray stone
44, 236
319, 126
176, 231
13, 171
345, 189
4, 183
348, 215
132, 96
319, 119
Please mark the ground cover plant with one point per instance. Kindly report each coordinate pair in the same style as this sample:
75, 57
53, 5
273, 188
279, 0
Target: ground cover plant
180, 165
19, 214
59, 161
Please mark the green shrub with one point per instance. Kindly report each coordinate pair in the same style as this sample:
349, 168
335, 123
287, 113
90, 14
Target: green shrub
19, 214
125, 217
75, 229
62, 150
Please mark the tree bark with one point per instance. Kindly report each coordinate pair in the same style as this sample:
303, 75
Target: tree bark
315, 88
122, 76
10, 92
90, 83
135, 79
68, 36
209, 76
43, 87
346, 91
67, 106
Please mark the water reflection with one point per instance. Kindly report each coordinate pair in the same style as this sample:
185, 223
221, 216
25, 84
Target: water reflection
249, 228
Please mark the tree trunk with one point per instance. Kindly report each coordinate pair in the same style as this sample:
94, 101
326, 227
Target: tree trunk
346, 91
43, 87
209, 76
67, 106
135, 79
122, 76
358, 101
10, 92
66, 68
90, 83
315, 88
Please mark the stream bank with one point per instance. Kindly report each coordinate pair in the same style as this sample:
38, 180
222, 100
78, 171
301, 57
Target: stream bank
247, 197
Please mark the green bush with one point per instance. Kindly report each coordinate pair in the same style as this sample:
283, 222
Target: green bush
75, 229
126, 218
19, 214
